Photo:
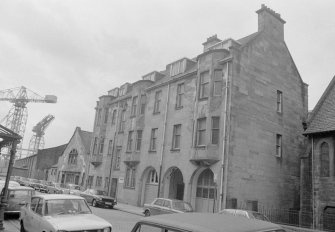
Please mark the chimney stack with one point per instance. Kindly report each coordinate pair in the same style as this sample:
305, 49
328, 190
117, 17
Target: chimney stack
270, 22
210, 42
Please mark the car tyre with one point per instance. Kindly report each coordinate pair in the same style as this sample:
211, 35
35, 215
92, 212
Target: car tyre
94, 203
147, 213
22, 227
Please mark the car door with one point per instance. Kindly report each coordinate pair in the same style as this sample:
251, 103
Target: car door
86, 195
28, 217
37, 216
157, 207
166, 208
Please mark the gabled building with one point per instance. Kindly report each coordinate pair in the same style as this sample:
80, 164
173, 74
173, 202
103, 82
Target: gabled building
72, 165
318, 164
223, 129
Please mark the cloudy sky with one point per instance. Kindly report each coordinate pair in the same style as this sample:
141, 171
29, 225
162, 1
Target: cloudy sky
80, 49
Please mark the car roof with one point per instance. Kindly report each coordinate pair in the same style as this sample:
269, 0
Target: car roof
210, 222
59, 196
170, 199
13, 187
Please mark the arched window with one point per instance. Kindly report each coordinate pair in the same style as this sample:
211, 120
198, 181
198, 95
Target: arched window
206, 186
324, 160
73, 156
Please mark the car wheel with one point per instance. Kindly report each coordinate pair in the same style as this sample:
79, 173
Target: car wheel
94, 203
22, 227
147, 213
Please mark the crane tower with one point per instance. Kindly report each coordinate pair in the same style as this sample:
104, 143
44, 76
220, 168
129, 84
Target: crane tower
16, 118
37, 140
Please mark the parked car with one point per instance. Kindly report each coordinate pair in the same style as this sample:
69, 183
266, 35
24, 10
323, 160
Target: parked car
11, 183
53, 188
98, 198
200, 222
245, 213
74, 189
164, 205
42, 186
55, 212
17, 197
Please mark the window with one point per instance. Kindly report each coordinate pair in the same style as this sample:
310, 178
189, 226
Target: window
130, 177
138, 140
278, 145
153, 177
177, 67
324, 160
130, 141
73, 156
98, 117
113, 117
110, 147
143, 101
158, 96
39, 207
122, 120
153, 139
201, 132
106, 115
206, 186
117, 158
217, 88
90, 181
134, 106
215, 130
204, 85
101, 146
179, 97
176, 136
106, 182
279, 101
98, 181
95, 146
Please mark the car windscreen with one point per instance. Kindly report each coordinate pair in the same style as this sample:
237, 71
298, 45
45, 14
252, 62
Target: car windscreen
66, 206
99, 192
20, 193
182, 206
259, 216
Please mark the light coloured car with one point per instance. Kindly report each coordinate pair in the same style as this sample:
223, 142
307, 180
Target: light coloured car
74, 189
164, 205
245, 213
60, 212
200, 222
17, 197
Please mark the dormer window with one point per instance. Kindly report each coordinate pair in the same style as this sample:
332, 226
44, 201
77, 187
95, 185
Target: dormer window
177, 67
149, 77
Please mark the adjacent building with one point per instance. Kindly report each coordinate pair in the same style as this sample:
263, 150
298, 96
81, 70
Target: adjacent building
223, 129
318, 164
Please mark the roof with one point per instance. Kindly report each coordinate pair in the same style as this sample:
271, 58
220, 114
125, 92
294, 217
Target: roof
86, 137
59, 196
247, 39
210, 222
322, 118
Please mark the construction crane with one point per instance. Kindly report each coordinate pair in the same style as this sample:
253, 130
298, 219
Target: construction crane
16, 119
37, 140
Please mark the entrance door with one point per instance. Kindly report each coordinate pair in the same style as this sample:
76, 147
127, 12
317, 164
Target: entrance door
113, 187
205, 192
180, 191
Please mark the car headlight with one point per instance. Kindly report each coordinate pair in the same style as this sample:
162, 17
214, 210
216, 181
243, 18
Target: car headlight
107, 229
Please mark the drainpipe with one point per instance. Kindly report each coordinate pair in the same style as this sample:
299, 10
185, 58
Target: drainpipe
313, 200
163, 141
224, 158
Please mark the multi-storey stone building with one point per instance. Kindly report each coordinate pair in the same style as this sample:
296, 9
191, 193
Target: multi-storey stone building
223, 129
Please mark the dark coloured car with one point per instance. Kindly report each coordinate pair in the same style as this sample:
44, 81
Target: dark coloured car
164, 205
98, 198
203, 222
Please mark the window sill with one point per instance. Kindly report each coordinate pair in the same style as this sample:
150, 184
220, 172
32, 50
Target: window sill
203, 99
152, 151
130, 188
201, 147
179, 107
175, 150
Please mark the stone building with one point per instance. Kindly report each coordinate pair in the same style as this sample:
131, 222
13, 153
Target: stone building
38, 164
72, 164
223, 129
318, 164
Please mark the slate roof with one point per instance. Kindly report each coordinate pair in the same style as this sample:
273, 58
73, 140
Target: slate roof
86, 137
322, 118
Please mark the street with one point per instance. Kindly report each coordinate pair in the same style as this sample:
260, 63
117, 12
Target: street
121, 221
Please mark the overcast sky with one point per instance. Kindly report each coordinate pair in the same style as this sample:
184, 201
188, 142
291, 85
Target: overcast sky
78, 50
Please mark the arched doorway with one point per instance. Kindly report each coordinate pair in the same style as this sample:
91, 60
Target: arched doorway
329, 218
174, 184
205, 192
149, 185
